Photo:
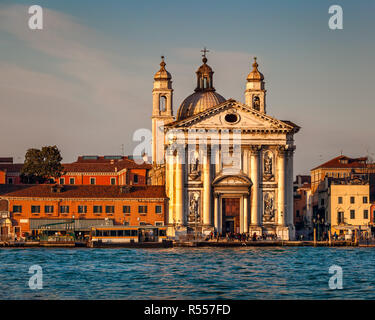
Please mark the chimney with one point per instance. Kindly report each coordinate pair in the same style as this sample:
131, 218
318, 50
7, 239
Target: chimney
126, 189
57, 188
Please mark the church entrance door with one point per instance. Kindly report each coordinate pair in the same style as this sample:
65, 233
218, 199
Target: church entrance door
231, 215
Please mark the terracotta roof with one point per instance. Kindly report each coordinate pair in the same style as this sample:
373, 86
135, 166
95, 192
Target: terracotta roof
6, 188
87, 191
103, 164
344, 162
104, 167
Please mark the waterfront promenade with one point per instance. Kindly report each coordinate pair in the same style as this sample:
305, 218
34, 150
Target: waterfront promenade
187, 244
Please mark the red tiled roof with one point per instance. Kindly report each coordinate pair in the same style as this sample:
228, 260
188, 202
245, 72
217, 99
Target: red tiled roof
104, 167
87, 191
337, 163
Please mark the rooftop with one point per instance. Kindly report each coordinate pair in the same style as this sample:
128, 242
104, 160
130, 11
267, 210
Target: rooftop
344, 162
82, 191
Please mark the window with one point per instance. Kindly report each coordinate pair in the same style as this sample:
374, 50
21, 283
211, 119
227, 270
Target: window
82, 209
142, 209
35, 209
62, 181
17, 209
71, 181
64, 209
365, 214
48, 209
135, 178
158, 223
322, 202
143, 224
365, 200
92, 180
126, 209
157, 209
126, 223
340, 200
110, 209
352, 214
297, 213
10, 180
162, 103
340, 217
97, 209
352, 200
113, 181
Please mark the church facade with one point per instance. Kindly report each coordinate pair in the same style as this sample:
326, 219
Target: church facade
227, 166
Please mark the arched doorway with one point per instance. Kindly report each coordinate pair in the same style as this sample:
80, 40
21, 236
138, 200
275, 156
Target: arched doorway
232, 199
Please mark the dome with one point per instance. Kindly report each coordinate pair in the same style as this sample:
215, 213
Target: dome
255, 74
162, 74
198, 102
204, 96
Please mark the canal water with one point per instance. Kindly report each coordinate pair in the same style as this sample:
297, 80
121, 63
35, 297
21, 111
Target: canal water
188, 273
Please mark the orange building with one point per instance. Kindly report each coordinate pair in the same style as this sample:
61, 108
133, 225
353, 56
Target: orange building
340, 167
104, 170
87, 170
33, 206
9, 171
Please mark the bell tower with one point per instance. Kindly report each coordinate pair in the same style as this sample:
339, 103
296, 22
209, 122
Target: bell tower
162, 109
255, 94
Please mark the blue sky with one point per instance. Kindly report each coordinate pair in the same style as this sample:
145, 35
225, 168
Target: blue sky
84, 82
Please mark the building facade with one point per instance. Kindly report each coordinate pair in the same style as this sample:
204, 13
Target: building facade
34, 206
228, 166
345, 205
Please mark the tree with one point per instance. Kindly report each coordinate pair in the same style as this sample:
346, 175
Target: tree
42, 165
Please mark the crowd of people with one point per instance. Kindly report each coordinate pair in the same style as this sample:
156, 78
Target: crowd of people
231, 236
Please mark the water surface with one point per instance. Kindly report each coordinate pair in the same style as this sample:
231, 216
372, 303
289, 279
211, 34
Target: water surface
188, 273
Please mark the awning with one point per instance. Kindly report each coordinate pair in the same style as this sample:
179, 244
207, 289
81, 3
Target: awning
65, 224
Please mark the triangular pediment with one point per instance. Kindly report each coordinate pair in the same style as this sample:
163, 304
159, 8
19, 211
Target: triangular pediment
231, 115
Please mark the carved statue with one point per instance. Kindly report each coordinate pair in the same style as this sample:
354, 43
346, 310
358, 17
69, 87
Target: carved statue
194, 165
267, 164
194, 207
268, 207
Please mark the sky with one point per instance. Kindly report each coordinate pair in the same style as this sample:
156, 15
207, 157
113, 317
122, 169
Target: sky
84, 82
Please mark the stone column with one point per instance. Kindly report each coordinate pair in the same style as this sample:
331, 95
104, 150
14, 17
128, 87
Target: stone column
217, 212
254, 175
246, 213
281, 208
179, 204
245, 162
170, 185
289, 187
206, 189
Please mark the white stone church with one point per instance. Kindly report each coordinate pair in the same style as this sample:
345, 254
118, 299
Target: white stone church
252, 192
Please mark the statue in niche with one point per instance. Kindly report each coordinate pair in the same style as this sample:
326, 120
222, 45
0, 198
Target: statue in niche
194, 207
194, 166
267, 164
268, 208
256, 103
